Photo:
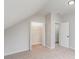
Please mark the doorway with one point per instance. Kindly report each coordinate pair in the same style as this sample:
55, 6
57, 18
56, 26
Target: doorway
57, 27
62, 34
37, 34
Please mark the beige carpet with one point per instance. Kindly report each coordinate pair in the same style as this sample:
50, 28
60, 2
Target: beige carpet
40, 52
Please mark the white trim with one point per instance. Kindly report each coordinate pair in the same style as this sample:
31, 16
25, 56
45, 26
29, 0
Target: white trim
48, 47
36, 43
10, 53
72, 48
30, 39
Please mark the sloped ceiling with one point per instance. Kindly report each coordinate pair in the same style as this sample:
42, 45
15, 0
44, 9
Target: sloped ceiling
18, 10
60, 7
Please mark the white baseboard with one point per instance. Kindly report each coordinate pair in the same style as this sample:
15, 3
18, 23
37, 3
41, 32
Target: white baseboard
50, 47
14, 52
36, 43
47, 46
72, 48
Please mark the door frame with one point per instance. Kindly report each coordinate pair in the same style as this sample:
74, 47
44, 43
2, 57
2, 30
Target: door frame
30, 39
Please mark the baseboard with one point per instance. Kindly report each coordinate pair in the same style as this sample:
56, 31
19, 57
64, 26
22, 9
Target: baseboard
36, 43
47, 46
50, 47
6, 54
72, 48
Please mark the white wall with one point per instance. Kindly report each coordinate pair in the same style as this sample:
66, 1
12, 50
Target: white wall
50, 30
57, 32
36, 32
17, 10
17, 38
57, 25
71, 19
54, 18
39, 19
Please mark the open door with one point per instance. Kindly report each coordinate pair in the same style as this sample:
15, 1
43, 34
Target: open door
64, 34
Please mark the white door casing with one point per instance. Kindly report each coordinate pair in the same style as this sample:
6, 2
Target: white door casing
43, 36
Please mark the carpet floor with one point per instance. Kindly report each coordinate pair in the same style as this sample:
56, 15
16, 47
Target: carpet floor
40, 52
